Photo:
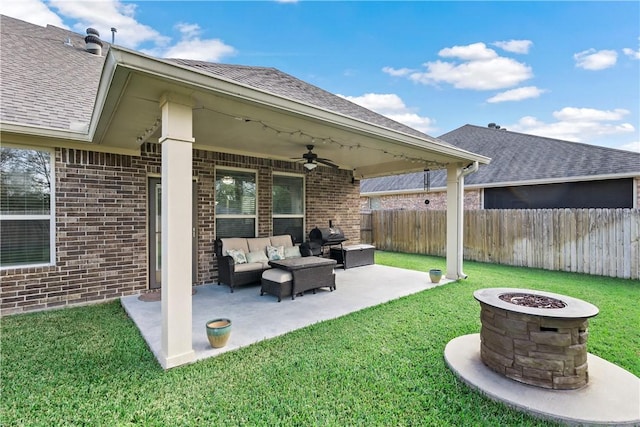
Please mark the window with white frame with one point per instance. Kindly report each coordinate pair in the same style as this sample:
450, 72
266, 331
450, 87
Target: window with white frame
27, 217
236, 208
288, 206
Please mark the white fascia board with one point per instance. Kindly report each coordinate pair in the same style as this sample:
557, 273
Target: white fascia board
43, 132
557, 180
190, 77
507, 184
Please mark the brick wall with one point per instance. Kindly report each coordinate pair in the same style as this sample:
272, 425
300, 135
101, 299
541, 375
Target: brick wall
101, 223
415, 201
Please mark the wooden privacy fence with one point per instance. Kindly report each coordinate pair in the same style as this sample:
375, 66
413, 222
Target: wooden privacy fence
603, 242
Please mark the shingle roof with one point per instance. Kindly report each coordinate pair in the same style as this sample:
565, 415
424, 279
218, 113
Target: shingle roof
517, 157
279, 83
45, 82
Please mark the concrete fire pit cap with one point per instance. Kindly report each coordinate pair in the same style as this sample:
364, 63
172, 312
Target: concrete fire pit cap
575, 308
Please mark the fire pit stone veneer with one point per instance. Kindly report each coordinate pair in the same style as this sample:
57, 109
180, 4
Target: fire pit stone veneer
537, 338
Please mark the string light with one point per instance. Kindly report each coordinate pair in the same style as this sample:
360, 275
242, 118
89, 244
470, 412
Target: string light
328, 140
141, 139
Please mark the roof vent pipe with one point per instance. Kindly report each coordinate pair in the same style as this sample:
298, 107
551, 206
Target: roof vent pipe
92, 39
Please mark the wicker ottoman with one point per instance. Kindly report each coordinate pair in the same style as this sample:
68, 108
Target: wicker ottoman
277, 282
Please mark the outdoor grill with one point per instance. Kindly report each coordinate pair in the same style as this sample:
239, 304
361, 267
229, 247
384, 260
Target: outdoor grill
327, 237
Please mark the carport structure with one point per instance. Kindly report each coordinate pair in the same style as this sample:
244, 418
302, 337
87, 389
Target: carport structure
253, 111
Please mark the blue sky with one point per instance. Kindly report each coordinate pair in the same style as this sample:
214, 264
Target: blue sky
567, 70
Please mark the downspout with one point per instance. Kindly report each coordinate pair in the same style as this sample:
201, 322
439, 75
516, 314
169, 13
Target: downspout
473, 167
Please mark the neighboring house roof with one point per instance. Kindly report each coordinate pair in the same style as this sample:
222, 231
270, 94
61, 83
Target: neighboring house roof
60, 80
518, 159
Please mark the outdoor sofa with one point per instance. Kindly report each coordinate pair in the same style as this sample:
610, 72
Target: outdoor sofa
242, 260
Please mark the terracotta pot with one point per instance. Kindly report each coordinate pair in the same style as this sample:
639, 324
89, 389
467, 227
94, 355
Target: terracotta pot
218, 331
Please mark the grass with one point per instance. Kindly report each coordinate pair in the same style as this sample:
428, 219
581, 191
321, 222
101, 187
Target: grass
380, 366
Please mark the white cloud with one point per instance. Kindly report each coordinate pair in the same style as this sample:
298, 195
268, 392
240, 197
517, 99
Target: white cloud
515, 46
105, 14
634, 54
596, 60
191, 46
472, 52
34, 11
631, 146
572, 114
397, 72
577, 124
392, 106
491, 74
517, 94
473, 66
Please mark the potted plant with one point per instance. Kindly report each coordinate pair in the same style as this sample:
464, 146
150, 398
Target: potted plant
218, 331
435, 274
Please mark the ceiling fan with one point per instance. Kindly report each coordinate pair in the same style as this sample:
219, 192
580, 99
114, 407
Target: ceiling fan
311, 158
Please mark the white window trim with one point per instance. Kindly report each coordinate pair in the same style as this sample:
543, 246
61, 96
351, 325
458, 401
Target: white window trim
236, 216
51, 216
303, 215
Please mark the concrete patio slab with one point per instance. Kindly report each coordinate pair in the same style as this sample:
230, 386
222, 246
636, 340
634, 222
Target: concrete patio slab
611, 398
357, 288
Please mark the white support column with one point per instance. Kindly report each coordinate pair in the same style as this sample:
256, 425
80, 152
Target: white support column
455, 221
177, 140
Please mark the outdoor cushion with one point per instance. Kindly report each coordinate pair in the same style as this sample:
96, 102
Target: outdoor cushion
282, 240
277, 275
238, 256
258, 243
275, 253
292, 252
249, 266
257, 256
234, 243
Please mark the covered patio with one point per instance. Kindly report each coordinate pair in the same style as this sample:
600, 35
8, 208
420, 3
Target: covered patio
256, 318
192, 107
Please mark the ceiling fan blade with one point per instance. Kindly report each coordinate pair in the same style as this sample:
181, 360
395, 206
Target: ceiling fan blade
327, 162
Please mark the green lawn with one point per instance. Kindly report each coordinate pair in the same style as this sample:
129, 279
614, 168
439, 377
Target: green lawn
382, 366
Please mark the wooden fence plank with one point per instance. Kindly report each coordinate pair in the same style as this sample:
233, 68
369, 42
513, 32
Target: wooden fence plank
593, 241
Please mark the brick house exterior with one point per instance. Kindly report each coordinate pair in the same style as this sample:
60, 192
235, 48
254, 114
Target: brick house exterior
107, 118
101, 223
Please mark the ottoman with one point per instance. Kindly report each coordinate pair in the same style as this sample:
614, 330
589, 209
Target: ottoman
276, 282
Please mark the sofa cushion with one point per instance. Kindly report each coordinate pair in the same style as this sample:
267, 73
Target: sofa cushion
292, 252
258, 244
257, 256
275, 253
234, 243
248, 267
238, 256
282, 240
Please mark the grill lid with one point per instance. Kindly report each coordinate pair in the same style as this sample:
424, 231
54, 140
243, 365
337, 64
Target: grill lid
327, 235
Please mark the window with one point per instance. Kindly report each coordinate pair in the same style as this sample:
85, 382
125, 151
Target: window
288, 206
236, 214
27, 226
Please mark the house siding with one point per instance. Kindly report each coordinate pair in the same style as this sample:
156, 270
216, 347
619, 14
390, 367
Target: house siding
415, 201
101, 223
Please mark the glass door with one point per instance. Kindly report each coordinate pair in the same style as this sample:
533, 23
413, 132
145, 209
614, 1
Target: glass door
155, 233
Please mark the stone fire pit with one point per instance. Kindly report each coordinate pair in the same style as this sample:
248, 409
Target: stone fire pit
537, 338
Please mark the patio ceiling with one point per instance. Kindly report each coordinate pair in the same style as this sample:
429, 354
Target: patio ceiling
234, 118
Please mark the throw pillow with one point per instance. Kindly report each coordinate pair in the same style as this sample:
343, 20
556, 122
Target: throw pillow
292, 252
275, 253
257, 256
238, 256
